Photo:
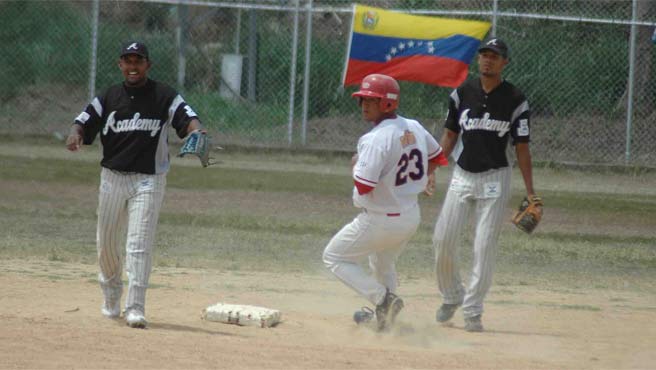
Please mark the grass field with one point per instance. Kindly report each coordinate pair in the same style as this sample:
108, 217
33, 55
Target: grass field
271, 213
255, 207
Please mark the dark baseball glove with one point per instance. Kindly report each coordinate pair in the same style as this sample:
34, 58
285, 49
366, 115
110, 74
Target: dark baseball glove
197, 143
529, 214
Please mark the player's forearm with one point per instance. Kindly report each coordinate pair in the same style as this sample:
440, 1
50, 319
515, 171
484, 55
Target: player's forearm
448, 142
194, 125
525, 166
354, 160
76, 130
75, 138
432, 166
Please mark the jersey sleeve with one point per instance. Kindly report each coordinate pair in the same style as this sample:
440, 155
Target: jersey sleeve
435, 153
520, 123
182, 114
432, 147
452, 115
91, 119
371, 160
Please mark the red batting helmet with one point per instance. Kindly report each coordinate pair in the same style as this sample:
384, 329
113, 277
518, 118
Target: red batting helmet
380, 86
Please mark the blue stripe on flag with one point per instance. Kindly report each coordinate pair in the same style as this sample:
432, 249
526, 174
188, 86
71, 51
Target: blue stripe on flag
381, 49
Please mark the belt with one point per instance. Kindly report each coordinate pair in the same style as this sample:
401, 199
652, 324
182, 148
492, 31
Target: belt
125, 173
386, 214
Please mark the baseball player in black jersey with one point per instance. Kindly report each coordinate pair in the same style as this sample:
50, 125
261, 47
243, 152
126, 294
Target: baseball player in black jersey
133, 119
484, 114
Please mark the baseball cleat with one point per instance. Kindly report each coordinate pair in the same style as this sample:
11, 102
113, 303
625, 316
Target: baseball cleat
387, 310
135, 319
364, 315
473, 324
446, 311
111, 310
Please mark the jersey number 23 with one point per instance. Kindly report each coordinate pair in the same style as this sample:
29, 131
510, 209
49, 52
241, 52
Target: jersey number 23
410, 165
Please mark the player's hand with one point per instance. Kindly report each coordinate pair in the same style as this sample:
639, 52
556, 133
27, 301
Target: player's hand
430, 185
354, 160
74, 142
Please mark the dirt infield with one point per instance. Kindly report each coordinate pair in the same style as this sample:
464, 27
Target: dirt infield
580, 293
51, 320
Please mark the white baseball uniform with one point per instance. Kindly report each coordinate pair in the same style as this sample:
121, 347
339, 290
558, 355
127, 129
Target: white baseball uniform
136, 197
393, 159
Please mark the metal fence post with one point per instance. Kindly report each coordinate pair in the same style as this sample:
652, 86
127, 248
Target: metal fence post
629, 102
238, 31
95, 11
181, 39
292, 76
495, 10
306, 77
252, 54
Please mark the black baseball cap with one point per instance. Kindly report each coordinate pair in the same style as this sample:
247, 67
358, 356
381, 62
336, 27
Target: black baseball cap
496, 45
134, 47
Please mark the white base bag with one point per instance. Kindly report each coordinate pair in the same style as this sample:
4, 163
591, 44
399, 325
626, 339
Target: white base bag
238, 314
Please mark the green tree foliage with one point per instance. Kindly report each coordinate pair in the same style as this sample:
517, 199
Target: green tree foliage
564, 67
43, 42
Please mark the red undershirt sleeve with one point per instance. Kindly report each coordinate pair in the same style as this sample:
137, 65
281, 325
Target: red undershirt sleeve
440, 160
362, 188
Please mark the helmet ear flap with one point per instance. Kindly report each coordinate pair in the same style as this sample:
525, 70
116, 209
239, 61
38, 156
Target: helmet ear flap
385, 105
388, 105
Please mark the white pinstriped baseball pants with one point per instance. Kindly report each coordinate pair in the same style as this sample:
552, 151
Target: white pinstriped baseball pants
376, 236
486, 193
133, 200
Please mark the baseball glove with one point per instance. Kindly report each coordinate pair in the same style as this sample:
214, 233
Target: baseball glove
529, 214
197, 143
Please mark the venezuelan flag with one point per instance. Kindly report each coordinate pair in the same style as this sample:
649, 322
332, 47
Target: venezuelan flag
432, 50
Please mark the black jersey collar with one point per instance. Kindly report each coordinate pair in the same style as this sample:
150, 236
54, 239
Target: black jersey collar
480, 86
140, 90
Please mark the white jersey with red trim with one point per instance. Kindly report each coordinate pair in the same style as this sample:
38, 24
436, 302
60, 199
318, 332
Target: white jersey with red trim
393, 159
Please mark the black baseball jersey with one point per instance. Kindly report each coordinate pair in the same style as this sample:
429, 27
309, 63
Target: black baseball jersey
133, 125
485, 121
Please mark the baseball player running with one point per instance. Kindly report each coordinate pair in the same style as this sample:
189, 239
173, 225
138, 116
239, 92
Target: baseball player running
132, 118
483, 114
391, 167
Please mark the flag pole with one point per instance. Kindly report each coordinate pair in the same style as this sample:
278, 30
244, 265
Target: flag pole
350, 40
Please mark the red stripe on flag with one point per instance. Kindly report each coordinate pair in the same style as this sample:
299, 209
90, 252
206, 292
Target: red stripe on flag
427, 69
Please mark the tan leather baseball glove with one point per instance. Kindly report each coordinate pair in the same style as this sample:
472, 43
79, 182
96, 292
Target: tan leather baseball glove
529, 214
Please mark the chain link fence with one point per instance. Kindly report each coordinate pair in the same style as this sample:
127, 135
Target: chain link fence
268, 73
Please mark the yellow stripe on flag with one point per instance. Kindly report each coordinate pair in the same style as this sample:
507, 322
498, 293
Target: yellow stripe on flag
380, 22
